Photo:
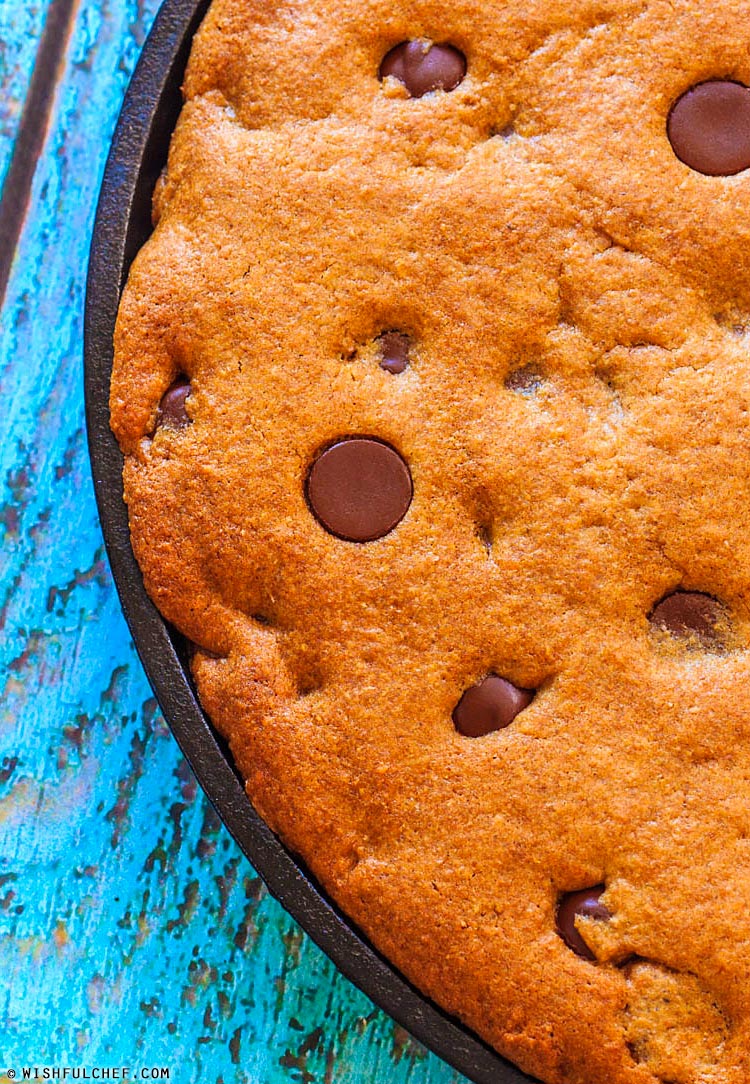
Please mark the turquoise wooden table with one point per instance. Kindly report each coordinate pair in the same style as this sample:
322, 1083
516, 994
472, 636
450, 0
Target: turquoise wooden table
134, 933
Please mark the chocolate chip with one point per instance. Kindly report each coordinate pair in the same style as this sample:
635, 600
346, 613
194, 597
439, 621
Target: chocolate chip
688, 614
359, 489
586, 903
525, 381
491, 705
709, 128
422, 66
172, 411
394, 351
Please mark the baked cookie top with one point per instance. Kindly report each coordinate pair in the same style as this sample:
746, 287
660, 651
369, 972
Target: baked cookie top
433, 386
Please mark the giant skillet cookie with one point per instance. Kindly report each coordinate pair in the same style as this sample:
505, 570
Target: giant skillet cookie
433, 387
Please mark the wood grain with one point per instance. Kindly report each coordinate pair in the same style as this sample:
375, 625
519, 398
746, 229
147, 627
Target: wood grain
20, 30
31, 130
133, 932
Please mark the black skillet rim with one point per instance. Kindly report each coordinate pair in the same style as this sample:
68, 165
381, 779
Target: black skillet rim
136, 156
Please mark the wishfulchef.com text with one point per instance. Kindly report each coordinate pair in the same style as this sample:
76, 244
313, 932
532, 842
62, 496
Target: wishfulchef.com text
69, 1072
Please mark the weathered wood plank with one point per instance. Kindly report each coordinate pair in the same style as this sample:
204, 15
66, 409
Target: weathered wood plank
132, 931
31, 130
20, 30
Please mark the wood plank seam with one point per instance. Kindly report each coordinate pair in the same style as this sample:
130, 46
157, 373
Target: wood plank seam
14, 199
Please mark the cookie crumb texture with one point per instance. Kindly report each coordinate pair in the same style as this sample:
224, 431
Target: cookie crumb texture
489, 263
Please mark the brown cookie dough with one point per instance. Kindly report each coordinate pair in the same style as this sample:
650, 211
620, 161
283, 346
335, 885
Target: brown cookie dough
527, 292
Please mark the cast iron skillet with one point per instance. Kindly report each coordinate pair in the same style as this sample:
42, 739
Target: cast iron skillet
123, 222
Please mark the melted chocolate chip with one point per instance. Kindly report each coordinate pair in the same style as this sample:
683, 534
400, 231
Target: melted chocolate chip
172, 410
491, 705
394, 351
525, 381
709, 128
359, 489
586, 903
423, 67
688, 614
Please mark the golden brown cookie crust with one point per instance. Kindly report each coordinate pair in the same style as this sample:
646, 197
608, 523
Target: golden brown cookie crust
533, 220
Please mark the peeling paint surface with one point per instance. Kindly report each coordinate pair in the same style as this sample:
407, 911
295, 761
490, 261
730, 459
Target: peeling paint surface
132, 929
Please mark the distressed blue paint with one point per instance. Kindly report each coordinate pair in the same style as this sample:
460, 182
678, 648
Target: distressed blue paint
20, 28
131, 928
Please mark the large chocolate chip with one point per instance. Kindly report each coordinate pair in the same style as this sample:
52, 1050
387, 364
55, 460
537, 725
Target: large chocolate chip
586, 903
491, 705
359, 489
422, 66
172, 410
688, 614
394, 351
709, 128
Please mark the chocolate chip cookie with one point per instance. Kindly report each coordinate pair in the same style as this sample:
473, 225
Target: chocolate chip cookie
433, 386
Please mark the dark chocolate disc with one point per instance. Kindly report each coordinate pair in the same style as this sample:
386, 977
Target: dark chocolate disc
586, 903
422, 66
394, 351
709, 128
172, 410
687, 614
359, 489
491, 705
